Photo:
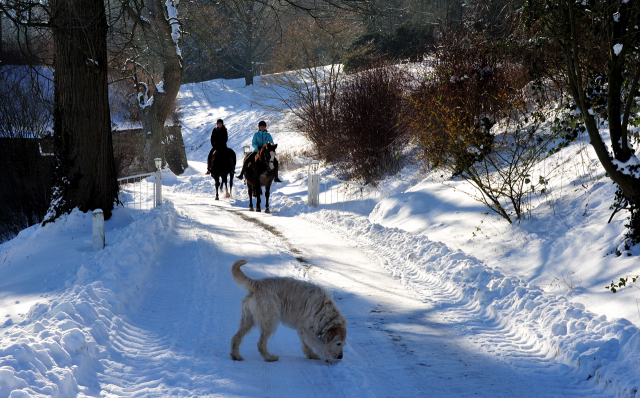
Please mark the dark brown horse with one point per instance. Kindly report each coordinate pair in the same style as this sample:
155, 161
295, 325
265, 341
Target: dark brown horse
221, 165
260, 173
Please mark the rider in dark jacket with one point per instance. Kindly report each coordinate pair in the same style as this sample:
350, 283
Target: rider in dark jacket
219, 139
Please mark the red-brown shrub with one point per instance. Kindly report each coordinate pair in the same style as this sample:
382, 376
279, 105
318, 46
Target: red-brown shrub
371, 128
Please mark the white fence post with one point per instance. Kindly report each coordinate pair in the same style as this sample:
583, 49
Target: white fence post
98, 229
158, 181
313, 185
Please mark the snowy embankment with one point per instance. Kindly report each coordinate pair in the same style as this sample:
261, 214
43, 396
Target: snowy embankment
56, 348
604, 352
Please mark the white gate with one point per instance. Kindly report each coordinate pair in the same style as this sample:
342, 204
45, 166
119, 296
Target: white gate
343, 196
142, 191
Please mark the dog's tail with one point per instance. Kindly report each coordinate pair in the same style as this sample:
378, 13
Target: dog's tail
239, 276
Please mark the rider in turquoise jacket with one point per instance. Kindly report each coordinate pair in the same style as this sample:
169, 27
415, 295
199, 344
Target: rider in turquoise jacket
260, 138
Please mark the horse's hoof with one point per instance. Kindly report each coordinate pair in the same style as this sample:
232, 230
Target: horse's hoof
266, 210
258, 209
228, 196
250, 208
217, 198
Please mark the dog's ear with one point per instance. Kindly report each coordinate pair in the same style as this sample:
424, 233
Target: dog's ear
334, 332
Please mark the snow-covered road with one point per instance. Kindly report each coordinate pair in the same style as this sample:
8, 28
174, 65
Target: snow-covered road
403, 341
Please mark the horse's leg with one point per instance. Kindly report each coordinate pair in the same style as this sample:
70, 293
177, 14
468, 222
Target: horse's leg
226, 185
250, 191
223, 182
217, 185
267, 190
230, 184
258, 193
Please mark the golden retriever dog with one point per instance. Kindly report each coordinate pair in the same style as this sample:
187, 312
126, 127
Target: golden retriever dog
299, 305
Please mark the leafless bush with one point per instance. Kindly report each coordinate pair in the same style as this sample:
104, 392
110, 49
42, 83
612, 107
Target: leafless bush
565, 281
356, 122
370, 128
473, 120
310, 94
292, 160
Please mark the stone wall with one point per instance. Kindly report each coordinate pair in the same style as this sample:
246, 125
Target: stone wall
129, 151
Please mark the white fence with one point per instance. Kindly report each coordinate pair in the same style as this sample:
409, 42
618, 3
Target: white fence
142, 191
343, 196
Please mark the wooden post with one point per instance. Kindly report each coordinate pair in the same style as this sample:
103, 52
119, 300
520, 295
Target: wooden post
158, 162
313, 185
98, 229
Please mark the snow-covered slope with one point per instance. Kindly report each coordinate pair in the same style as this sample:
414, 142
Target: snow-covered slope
433, 311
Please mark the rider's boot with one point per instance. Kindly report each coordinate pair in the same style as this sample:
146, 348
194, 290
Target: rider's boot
277, 179
210, 158
245, 161
239, 176
244, 167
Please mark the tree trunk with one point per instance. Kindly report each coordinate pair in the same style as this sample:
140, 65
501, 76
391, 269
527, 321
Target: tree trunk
248, 59
154, 138
1, 33
82, 124
248, 73
155, 115
628, 183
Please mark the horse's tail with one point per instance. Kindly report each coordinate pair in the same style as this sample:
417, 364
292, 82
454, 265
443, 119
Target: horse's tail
239, 276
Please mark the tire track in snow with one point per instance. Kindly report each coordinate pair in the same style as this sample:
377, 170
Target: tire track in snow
312, 378
176, 340
376, 351
502, 339
152, 348
315, 377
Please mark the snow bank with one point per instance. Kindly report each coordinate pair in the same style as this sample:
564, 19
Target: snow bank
607, 352
55, 350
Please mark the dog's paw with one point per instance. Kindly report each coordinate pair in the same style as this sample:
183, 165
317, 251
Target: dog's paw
272, 358
237, 357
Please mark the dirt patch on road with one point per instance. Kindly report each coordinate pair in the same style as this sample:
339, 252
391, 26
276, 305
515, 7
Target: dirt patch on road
297, 254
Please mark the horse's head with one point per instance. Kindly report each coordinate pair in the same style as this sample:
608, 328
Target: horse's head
268, 155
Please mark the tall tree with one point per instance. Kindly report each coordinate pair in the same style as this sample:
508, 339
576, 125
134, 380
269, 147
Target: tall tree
82, 123
600, 42
255, 25
85, 173
158, 43
236, 36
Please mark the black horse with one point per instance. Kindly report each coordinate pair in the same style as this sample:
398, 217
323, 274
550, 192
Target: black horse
221, 165
260, 173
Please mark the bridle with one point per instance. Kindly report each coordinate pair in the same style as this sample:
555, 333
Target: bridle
268, 157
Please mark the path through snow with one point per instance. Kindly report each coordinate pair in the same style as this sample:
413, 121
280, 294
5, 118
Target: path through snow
403, 341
